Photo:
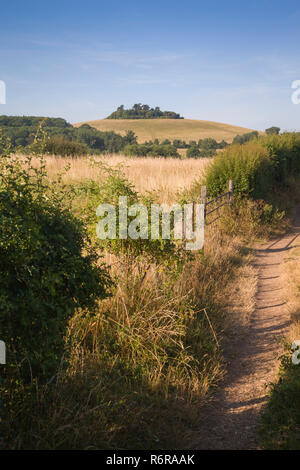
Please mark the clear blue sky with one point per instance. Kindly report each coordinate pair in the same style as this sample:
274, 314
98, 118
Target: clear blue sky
228, 61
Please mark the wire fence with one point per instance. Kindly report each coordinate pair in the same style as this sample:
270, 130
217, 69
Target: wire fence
214, 205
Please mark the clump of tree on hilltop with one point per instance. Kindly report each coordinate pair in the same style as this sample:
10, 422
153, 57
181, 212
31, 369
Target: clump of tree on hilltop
143, 111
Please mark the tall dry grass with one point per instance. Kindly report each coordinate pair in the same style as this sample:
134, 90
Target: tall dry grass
165, 176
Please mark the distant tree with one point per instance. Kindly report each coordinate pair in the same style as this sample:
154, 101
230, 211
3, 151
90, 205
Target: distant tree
272, 130
242, 139
193, 152
130, 137
206, 153
222, 144
63, 137
180, 144
209, 144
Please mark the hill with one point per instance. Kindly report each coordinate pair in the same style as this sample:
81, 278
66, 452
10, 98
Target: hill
184, 129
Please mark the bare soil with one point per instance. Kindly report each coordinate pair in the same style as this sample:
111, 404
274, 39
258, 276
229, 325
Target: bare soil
230, 419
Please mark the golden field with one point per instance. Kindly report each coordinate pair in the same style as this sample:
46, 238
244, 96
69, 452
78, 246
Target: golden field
183, 129
166, 176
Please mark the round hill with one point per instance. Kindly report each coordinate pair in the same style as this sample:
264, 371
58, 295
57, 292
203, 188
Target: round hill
183, 129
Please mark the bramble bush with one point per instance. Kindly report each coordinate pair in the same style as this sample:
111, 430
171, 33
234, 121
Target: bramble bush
45, 277
284, 152
59, 145
249, 166
106, 190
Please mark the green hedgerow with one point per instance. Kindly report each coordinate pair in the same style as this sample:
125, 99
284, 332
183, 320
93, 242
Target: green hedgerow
249, 166
45, 277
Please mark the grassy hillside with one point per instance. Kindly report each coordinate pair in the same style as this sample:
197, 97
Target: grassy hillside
184, 129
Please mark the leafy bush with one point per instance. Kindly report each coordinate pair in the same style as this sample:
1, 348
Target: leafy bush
180, 144
249, 166
272, 130
64, 147
242, 139
107, 191
193, 152
284, 150
45, 277
210, 144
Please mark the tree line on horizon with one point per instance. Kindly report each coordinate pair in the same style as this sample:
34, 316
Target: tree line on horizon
61, 138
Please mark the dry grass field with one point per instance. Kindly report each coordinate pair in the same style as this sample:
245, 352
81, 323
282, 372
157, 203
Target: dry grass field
166, 176
184, 129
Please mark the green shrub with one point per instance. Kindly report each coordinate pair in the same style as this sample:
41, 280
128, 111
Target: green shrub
45, 277
242, 139
193, 152
285, 154
107, 190
64, 147
249, 166
272, 130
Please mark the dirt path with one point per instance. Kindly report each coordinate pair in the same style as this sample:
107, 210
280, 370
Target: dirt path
229, 420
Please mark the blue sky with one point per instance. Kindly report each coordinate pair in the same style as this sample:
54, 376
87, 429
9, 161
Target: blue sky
227, 61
